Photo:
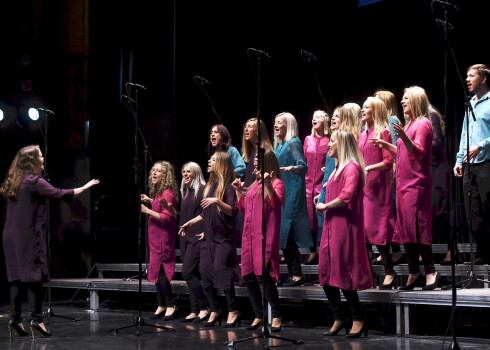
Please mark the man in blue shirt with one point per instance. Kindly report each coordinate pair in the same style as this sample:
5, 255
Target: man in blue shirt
476, 179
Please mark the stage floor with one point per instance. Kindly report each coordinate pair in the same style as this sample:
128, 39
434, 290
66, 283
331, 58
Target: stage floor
91, 331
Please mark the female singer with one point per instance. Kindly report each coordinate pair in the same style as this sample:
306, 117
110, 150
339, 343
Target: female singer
393, 118
344, 264
162, 224
378, 214
350, 118
249, 147
315, 150
218, 250
24, 236
294, 218
220, 140
191, 190
252, 268
413, 186
328, 169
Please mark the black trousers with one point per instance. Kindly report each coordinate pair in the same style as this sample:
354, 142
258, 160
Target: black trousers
212, 295
196, 293
293, 257
165, 297
476, 181
338, 309
384, 251
413, 250
18, 292
253, 284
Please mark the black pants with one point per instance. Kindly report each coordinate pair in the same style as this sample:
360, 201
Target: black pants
293, 257
477, 182
165, 298
384, 251
17, 295
196, 293
253, 284
212, 295
338, 309
413, 250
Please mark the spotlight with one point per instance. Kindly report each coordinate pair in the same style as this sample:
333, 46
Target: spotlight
1, 115
33, 114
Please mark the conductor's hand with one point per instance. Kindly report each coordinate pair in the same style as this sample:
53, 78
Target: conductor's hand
91, 183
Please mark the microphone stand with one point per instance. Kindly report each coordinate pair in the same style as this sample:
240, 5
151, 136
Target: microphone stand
309, 58
201, 82
264, 333
468, 111
139, 321
49, 313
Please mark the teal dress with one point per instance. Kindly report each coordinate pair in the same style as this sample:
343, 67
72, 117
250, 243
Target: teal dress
294, 216
329, 168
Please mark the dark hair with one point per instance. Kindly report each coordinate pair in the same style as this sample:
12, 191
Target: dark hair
226, 140
25, 162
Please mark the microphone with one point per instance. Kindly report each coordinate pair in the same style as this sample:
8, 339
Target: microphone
260, 53
201, 80
45, 110
308, 56
442, 23
137, 86
447, 4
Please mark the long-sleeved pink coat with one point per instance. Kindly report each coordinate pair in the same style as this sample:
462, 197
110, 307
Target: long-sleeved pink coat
251, 206
379, 223
161, 238
414, 184
343, 259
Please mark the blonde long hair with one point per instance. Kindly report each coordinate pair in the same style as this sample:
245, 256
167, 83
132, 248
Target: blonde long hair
291, 127
380, 115
349, 119
326, 122
247, 146
167, 181
347, 151
390, 101
223, 173
197, 179
419, 103
25, 162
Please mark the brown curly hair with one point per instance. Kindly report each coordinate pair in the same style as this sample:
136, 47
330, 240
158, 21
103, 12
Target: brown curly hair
167, 182
25, 162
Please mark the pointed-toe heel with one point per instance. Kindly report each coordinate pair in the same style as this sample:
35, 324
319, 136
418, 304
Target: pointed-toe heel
343, 325
16, 329
201, 319
433, 285
358, 334
37, 329
172, 315
254, 327
234, 323
411, 286
391, 284
213, 322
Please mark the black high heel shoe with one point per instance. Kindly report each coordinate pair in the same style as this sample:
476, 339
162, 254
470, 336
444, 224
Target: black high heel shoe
276, 329
411, 286
358, 334
16, 328
433, 285
188, 320
254, 327
234, 323
391, 284
36, 328
343, 325
201, 319
213, 322
172, 315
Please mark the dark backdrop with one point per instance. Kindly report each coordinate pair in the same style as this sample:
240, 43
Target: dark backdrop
162, 45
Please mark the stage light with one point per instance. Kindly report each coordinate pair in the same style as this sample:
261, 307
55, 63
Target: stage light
1, 115
33, 113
